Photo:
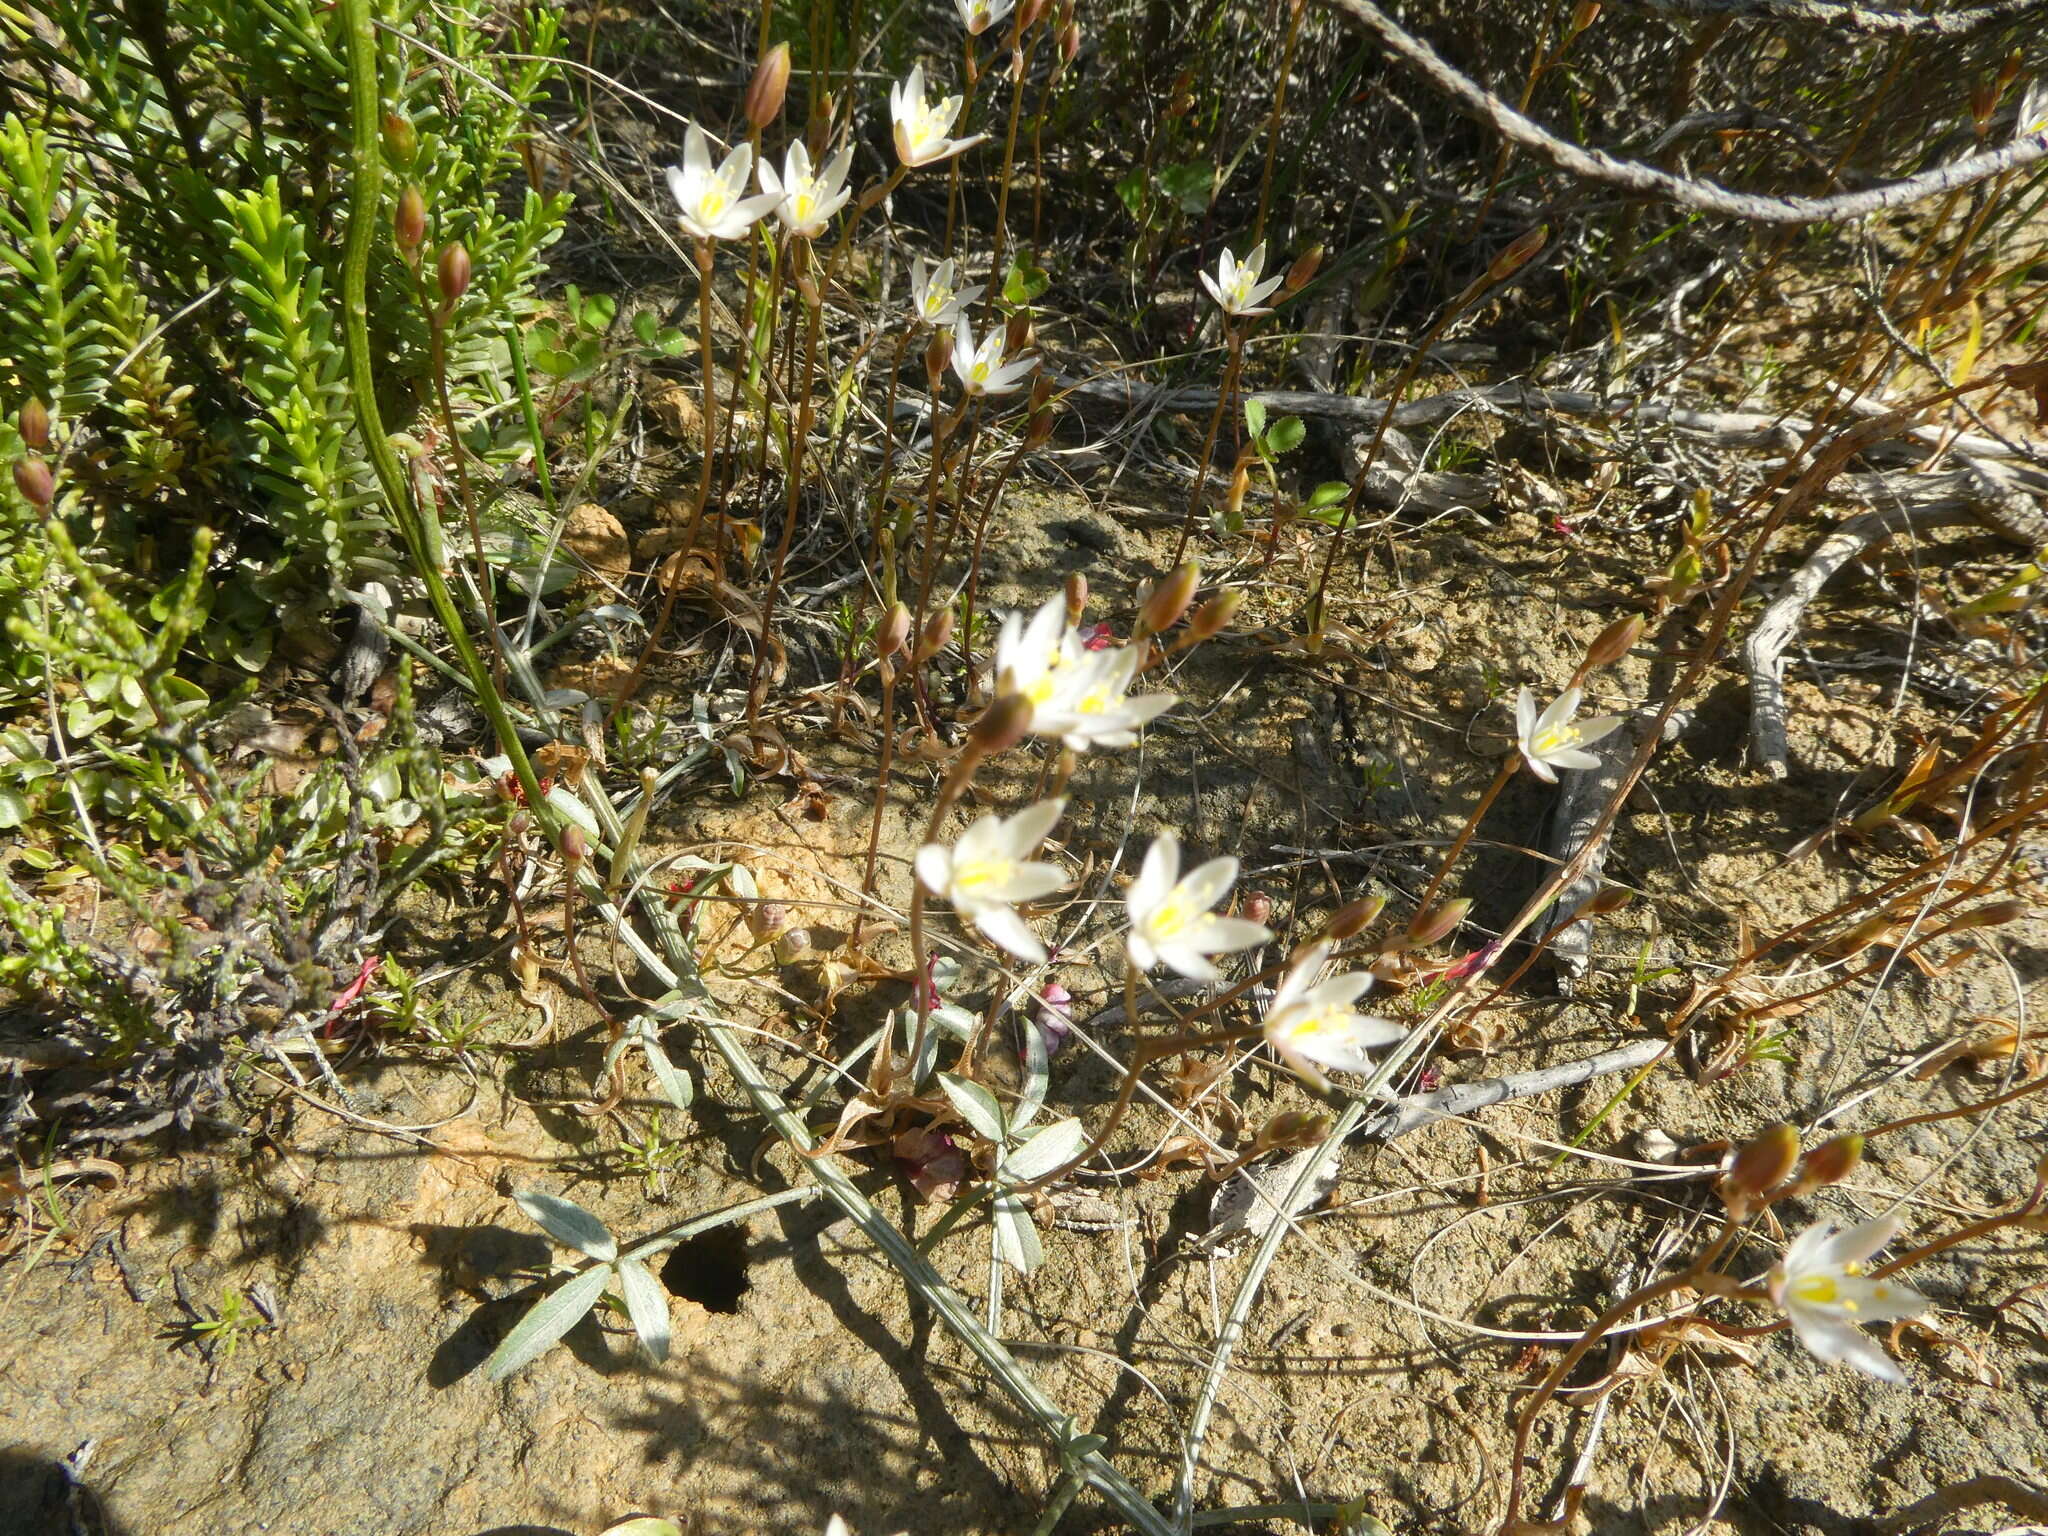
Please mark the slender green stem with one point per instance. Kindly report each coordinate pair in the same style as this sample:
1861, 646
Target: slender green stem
416, 525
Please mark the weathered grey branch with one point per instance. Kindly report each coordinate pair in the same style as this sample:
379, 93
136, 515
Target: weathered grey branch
1418, 1110
1874, 21
1649, 181
2027, 1502
1920, 503
1728, 429
1581, 802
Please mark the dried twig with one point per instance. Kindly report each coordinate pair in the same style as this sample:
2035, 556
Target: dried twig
1647, 180
1874, 21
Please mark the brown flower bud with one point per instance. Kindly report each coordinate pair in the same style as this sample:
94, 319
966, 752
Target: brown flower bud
1031, 13
575, 845
1077, 596
1303, 272
765, 92
1040, 429
1258, 906
1584, 14
1041, 392
1353, 918
1433, 926
766, 919
1614, 642
1170, 599
401, 140
34, 424
1518, 255
1990, 915
33, 479
1070, 42
1610, 899
452, 271
1765, 1161
1830, 1162
792, 945
1018, 333
1215, 615
1294, 1129
893, 633
1240, 483
938, 352
938, 631
1002, 725
409, 224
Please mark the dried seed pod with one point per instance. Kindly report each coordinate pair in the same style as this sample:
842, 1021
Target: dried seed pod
1990, 915
1520, 252
765, 92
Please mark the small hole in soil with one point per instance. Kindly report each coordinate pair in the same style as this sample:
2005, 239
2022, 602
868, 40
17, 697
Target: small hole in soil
710, 1269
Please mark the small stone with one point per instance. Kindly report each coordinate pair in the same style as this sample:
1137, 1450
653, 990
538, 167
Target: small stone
598, 540
674, 404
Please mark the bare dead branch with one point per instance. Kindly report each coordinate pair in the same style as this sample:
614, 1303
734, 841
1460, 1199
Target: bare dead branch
1649, 181
1873, 21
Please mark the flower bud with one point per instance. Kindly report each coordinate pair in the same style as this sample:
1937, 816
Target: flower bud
1031, 13
1240, 483
1070, 42
1017, 333
453, 273
1294, 1129
767, 919
1353, 918
575, 846
1002, 725
1609, 899
1215, 615
1990, 915
1170, 599
938, 352
1041, 392
1614, 642
938, 631
1303, 272
1040, 429
893, 633
401, 140
33, 479
1258, 906
1430, 927
792, 945
1830, 1162
1077, 596
1584, 14
1518, 255
1766, 1160
409, 224
34, 424
765, 92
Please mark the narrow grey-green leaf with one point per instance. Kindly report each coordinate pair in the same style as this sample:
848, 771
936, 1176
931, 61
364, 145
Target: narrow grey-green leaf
569, 1224
677, 1085
646, 1305
977, 1106
552, 1316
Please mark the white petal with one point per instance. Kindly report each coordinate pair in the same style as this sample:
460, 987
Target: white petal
935, 867
1525, 716
1189, 962
1204, 885
1009, 931
1597, 727
1030, 825
1215, 293
696, 152
1297, 987
1143, 955
1860, 1241
1027, 882
1156, 875
1341, 991
1541, 769
1225, 935
1562, 708
1570, 757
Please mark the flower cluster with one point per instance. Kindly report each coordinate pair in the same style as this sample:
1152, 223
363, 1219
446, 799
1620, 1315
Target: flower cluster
1079, 696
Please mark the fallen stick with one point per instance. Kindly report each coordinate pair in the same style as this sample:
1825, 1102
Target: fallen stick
1420, 1109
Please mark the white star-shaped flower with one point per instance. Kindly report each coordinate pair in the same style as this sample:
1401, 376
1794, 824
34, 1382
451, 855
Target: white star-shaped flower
1311, 1025
1236, 288
1821, 1287
933, 298
1090, 703
922, 126
989, 870
714, 204
1553, 740
981, 369
806, 201
1171, 920
977, 16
